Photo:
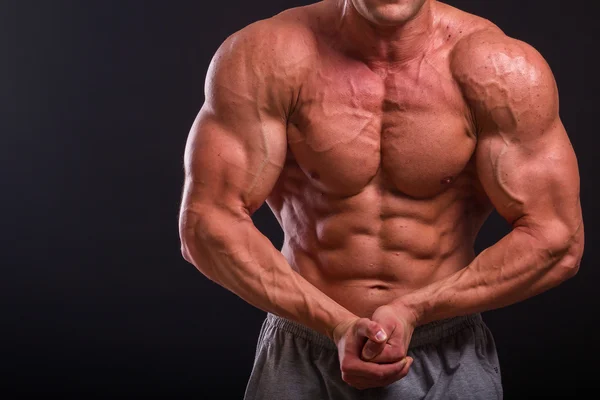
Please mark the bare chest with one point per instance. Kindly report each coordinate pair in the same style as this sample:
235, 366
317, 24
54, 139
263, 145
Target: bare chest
409, 127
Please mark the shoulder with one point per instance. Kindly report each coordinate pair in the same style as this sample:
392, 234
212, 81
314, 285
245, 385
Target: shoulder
482, 51
281, 45
489, 57
264, 63
506, 81
489, 46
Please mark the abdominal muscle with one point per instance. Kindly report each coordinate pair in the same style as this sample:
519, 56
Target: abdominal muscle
367, 250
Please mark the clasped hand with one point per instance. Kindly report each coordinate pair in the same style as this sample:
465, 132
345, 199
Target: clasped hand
373, 352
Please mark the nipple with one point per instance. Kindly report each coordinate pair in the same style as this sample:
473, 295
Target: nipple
447, 180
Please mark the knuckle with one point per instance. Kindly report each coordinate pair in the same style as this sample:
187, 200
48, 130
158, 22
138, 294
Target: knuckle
347, 368
399, 352
373, 328
398, 368
381, 375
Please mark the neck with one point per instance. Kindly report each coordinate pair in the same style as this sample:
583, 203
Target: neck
384, 44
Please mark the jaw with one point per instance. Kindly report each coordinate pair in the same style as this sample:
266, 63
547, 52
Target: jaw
388, 13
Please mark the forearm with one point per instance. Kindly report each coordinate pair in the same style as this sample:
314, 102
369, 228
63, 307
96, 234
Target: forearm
231, 251
515, 268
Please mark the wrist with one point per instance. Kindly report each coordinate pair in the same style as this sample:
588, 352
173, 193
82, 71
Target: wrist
338, 331
408, 311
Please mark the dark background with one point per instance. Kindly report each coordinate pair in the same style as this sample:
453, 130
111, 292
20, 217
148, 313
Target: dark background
98, 98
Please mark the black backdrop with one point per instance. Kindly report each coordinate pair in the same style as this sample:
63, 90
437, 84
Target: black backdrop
97, 100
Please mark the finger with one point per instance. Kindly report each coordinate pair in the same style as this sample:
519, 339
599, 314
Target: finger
372, 349
373, 371
371, 330
361, 380
376, 336
389, 354
401, 374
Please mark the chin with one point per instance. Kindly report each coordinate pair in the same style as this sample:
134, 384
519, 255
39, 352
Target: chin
388, 13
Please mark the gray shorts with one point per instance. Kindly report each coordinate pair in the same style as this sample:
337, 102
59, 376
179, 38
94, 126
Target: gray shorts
453, 359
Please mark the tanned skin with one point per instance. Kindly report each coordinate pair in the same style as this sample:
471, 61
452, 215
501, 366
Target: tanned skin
381, 134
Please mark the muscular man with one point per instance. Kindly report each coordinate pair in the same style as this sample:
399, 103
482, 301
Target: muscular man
381, 133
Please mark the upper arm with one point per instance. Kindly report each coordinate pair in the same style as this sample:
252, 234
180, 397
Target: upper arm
524, 158
237, 145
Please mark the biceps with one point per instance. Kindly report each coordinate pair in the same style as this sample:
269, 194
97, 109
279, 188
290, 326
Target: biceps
533, 182
232, 166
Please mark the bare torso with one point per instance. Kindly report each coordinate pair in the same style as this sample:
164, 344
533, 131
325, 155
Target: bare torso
381, 147
379, 194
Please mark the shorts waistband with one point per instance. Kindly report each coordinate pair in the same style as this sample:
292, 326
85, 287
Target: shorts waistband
424, 334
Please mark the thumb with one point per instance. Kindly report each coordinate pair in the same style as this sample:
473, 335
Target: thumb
372, 349
376, 336
371, 330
